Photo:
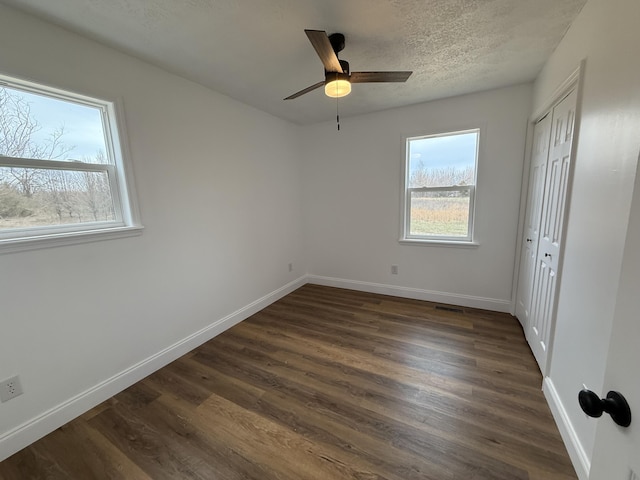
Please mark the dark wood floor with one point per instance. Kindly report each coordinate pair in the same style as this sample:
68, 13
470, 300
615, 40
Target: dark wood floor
325, 384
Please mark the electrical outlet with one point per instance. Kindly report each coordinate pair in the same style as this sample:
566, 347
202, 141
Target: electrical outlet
291, 267
10, 388
394, 269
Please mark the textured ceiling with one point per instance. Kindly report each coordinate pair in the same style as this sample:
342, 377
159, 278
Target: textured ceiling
256, 50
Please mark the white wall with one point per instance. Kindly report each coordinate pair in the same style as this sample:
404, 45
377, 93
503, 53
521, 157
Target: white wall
352, 194
219, 191
607, 35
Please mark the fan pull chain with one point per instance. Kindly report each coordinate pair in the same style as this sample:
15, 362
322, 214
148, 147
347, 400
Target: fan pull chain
337, 114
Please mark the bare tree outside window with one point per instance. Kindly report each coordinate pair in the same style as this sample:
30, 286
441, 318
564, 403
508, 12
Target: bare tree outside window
39, 194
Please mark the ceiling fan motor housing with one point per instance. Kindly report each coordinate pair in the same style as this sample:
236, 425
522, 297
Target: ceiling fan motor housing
337, 42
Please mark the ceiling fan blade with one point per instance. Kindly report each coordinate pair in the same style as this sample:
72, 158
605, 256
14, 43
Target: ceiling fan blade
371, 77
306, 90
321, 43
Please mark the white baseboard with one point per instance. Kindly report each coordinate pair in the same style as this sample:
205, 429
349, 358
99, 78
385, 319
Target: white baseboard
494, 304
34, 429
579, 457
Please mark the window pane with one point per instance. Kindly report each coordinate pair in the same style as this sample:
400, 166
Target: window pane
443, 214
44, 127
33, 197
443, 161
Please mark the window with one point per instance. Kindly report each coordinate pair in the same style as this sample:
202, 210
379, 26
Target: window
439, 187
61, 166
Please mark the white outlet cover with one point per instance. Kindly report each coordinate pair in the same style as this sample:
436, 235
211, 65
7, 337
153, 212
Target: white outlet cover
10, 388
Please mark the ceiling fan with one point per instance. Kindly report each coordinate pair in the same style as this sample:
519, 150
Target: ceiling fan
337, 77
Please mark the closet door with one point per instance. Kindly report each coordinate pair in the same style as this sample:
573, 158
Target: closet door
545, 280
537, 172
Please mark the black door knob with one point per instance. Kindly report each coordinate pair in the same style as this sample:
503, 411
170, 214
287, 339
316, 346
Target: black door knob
615, 405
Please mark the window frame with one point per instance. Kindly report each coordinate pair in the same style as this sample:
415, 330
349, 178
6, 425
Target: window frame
119, 173
406, 191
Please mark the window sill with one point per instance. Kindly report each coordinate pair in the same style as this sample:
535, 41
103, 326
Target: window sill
439, 243
11, 245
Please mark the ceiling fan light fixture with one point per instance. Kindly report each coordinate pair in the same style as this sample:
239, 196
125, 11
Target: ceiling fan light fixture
337, 85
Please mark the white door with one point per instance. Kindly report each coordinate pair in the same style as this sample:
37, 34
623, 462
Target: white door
537, 172
550, 238
617, 449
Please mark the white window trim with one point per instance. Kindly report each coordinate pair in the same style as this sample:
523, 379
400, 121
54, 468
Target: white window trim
122, 183
34, 242
436, 240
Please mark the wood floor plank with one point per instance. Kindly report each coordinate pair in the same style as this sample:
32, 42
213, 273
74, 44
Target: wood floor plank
365, 363
325, 384
351, 383
456, 428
